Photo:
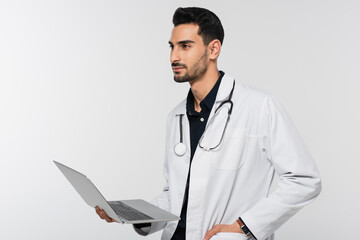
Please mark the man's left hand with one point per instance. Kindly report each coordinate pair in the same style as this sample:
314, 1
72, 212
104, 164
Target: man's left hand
235, 227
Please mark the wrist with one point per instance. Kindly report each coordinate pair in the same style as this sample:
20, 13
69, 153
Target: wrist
243, 227
236, 227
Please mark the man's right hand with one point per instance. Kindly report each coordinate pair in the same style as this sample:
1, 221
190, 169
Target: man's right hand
102, 214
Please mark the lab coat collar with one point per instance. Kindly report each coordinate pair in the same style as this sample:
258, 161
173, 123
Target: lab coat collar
225, 88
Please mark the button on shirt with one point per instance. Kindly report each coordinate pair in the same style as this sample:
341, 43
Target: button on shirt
197, 122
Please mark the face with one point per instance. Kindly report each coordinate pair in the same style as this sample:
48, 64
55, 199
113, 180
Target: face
189, 58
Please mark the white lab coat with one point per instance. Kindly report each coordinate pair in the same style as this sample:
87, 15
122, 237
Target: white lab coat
234, 180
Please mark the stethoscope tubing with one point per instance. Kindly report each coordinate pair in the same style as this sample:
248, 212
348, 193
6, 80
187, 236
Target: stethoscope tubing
180, 148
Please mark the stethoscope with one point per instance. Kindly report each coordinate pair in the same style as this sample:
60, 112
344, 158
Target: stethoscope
180, 148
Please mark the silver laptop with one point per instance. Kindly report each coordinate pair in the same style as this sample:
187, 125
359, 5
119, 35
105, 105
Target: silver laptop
125, 211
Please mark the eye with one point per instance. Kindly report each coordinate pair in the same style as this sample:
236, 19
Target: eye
185, 46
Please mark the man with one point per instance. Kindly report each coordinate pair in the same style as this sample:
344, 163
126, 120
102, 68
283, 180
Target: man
223, 145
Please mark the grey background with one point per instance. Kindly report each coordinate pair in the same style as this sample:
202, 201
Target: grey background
88, 83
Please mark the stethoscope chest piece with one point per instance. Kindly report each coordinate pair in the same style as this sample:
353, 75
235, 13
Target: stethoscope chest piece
180, 149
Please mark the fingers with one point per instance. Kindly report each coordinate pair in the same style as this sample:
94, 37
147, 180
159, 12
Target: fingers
102, 214
97, 209
212, 232
235, 227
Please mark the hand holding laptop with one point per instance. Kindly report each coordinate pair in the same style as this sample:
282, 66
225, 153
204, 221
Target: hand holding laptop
102, 214
133, 211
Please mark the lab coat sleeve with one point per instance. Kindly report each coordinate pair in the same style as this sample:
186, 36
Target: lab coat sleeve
162, 201
299, 180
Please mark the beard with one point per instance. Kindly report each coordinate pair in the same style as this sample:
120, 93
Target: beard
195, 72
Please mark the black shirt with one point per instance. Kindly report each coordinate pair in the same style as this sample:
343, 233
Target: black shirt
197, 121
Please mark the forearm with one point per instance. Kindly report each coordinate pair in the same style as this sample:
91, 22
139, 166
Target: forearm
292, 194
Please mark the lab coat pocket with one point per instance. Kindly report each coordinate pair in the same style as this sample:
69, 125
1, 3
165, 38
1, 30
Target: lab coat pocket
231, 236
231, 152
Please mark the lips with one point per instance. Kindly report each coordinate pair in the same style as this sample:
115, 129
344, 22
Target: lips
176, 69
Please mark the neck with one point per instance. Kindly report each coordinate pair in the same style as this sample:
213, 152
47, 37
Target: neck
202, 86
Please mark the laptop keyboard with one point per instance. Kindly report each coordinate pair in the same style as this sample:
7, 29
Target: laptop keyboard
127, 212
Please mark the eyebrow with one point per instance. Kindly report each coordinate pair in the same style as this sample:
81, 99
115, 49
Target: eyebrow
182, 42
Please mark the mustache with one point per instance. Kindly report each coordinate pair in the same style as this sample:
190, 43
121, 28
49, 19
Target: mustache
178, 65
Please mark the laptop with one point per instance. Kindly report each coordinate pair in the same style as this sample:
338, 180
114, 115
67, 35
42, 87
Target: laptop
124, 211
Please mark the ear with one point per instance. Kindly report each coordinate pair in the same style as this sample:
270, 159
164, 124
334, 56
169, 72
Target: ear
214, 48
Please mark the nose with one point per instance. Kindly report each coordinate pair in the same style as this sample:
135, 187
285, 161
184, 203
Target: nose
174, 56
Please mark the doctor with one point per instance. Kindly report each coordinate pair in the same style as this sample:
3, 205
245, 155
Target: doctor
224, 143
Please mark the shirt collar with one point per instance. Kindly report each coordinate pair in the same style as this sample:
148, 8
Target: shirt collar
208, 101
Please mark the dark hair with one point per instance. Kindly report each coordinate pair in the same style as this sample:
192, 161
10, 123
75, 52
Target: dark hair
210, 27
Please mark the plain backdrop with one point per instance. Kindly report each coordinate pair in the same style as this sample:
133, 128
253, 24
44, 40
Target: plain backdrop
89, 84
